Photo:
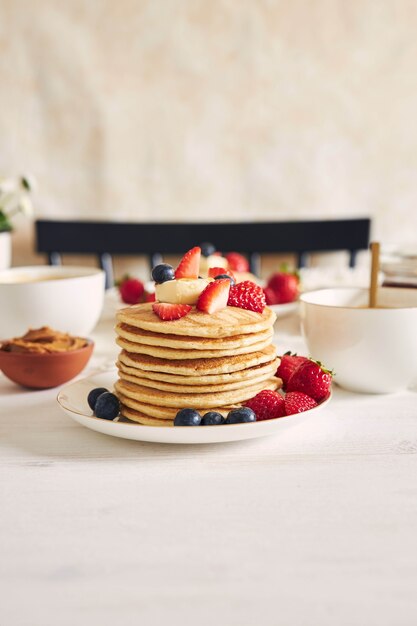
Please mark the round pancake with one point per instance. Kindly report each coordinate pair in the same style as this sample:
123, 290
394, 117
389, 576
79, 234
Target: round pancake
196, 400
225, 323
138, 335
199, 367
162, 412
177, 388
144, 420
212, 379
176, 354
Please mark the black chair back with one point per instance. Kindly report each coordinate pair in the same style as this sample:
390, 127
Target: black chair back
105, 239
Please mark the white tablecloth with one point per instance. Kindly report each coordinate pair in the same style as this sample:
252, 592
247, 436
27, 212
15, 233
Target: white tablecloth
315, 527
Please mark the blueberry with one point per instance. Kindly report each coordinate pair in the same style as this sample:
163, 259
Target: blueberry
238, 416
187, 417
212, 418
163, 272
107, 406
221, 276
93, 396
207, 248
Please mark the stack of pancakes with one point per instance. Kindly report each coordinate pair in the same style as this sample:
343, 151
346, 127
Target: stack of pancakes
201, 361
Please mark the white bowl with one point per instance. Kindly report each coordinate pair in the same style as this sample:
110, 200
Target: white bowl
69, 299
370, 350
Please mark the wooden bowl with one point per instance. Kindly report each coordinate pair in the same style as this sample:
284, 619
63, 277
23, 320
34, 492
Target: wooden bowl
43, 371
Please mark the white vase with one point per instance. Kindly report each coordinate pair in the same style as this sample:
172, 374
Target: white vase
5, 250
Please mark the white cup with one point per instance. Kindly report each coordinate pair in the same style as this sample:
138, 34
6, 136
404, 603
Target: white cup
370, 350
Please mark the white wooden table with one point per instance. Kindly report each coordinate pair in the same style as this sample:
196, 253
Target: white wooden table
315, 527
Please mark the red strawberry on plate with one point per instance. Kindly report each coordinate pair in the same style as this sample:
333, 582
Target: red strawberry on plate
285, 285
214, 297
218, 271
312, 379
169, 312
289, 363
267, 405
237, 262
189, 265
270, 296
247, 295
131, 290
298, 402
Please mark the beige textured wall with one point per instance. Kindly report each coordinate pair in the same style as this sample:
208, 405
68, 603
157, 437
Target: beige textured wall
221, 109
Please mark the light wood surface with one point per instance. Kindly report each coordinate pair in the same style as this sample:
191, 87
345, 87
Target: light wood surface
317, 527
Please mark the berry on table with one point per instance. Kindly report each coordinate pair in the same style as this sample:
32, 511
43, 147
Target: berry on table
107, 406
93, 396
270, 296
207, 249
131, 290
212, 418
312, 379
168, 312
267, 405
190, 264
237, 262
298, 402
162, 273
187, 417
285, 286
247, 295
289, 363
214, 297
241, 415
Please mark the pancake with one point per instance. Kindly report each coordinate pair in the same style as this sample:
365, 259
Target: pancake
178, 401
138, 335
230, 321
177, 388
176, 354
144, 420
163, 412
199, 367
212, 379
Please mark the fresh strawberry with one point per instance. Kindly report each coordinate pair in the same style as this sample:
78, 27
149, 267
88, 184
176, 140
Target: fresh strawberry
237, 262
190, 264
218, 271
267, 405
288, 365
297, 402
247, 295
285, 285
312, 379
270, 297
131, 290
168, 312
215, 296
149, 297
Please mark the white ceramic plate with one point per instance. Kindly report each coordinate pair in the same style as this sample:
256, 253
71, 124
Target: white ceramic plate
282, 310
73, 400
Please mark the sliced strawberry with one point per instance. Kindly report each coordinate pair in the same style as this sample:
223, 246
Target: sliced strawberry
190, 264
298, 402
288, 365
247, 295
215, 296
149, 297
218, 271
169, 312
237, 262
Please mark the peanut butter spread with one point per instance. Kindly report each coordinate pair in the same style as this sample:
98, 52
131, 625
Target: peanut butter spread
43, 340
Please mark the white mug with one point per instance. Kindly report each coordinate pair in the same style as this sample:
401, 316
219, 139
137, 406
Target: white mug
370, 350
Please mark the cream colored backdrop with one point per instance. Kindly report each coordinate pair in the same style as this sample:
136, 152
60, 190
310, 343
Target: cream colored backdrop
213, 109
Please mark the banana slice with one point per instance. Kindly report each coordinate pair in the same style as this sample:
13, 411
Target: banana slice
181, 291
